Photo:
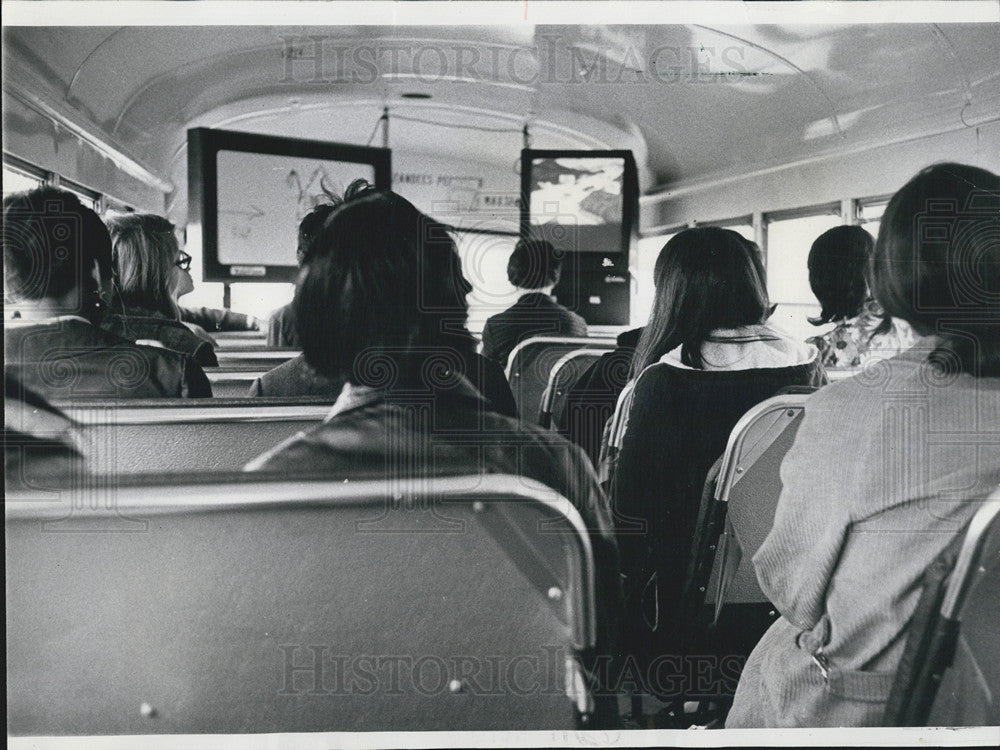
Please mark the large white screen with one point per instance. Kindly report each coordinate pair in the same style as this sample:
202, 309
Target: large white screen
263, 197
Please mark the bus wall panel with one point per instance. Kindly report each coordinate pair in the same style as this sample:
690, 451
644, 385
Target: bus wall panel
878, 171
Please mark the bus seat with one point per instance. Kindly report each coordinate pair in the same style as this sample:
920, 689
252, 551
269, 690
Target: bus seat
273, 606
952, 634
747, 493
562, 376
263, 359
721, 602
120, 439
234, 381
531, 361
239, 340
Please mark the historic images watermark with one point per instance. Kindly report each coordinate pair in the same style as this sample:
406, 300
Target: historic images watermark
320, 670
553, 59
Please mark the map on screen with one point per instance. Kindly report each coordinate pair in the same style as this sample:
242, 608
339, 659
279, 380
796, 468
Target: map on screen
263, 197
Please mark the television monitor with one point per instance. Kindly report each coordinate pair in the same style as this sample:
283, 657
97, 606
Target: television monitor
248, 192
580, 201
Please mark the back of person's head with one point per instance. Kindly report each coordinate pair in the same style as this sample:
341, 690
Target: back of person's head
706, 278
839, 264
144, 251
380, 278
534, 264
937, 263
50, 244
310, 225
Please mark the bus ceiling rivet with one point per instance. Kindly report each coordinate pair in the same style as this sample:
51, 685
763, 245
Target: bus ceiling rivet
478, 507
455, 686
147, 710
555, 593
701, 588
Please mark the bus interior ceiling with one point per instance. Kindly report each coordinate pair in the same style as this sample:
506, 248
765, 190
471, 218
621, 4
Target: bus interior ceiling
728, 123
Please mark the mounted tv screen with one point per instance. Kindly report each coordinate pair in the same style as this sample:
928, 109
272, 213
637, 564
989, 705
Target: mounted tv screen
247, 194
580, 201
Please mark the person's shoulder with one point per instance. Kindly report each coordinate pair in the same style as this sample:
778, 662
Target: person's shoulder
279, 315
869, 387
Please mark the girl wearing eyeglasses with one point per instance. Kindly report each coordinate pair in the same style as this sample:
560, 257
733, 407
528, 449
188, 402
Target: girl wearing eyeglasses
151, 272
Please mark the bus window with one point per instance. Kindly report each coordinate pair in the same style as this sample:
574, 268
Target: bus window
788, 241
15, 181
259, 300
484, 264
870, 215
742, 226
641, 268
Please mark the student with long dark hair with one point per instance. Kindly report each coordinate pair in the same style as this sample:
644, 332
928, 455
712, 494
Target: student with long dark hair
704, 358
886, 466
839, 271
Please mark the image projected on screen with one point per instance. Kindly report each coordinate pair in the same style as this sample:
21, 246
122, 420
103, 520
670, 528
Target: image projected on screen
263, 197
576, 203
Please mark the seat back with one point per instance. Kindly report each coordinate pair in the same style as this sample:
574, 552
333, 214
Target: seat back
747, 493
953, 584
261, 359
530, 363
239, 340
119, 438
275, 606
563, 375
234, 381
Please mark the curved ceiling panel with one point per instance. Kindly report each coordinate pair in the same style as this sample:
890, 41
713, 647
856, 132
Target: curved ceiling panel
694, 102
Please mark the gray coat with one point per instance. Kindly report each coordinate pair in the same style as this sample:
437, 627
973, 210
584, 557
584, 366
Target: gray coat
881, 476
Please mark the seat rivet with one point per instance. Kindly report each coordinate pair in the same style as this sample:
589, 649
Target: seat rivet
555, 593
478, 507
455, 686
147, 711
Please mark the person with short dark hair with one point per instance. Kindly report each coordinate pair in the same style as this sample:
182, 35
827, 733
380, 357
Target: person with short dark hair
151, 273
839, 269
885, 469
534, 269
57, 272
281, 326
380, 305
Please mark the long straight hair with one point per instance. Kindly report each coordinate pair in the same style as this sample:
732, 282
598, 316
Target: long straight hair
706, 278
144, 250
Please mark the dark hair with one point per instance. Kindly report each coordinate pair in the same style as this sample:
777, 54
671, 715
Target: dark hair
706, 278
310, 225
839, 265
312, 222
144, 251
50, 243
937, 263
379, 278
534, 264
